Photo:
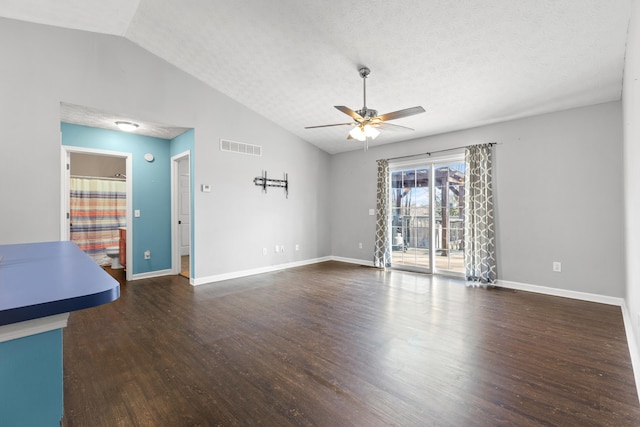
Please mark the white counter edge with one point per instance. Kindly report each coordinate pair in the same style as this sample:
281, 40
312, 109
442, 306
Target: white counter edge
31, 327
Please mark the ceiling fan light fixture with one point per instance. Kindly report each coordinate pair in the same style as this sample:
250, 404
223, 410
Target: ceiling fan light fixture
362, 132
127, 126
358, 133
370, 132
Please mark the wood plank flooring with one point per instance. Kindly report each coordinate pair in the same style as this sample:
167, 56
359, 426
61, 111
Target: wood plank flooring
335, 344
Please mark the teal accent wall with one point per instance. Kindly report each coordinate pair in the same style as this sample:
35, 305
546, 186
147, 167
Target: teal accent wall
31, 377
151, 189
180, 144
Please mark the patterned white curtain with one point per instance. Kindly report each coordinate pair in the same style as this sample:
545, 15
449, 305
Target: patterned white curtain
382, 254
479, 240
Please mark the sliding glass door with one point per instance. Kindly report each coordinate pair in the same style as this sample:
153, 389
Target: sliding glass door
427, 216
410, 213
449, 217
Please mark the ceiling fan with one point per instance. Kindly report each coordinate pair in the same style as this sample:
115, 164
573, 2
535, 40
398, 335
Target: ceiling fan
366, 121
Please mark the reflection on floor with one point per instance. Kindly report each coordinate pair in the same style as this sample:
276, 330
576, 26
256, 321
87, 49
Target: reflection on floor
419, 257
184, 266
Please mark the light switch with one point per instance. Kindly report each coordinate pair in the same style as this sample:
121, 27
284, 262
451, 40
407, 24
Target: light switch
136, 213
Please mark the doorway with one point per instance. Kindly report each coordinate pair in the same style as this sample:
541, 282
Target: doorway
427, 216
181, 208
102, 158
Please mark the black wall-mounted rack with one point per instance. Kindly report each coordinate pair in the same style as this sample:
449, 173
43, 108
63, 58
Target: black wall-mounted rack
264, 182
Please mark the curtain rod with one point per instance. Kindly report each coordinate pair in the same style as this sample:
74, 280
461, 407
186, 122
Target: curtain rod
106, 178
429, 153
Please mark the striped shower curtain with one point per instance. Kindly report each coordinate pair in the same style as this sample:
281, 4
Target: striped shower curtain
98, 209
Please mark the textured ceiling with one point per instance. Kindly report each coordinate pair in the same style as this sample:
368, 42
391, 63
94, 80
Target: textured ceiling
468, 63
86, 116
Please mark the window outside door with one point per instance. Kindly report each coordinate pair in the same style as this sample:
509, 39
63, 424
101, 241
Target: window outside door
427, 217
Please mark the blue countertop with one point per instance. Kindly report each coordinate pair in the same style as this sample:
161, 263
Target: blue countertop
43, 279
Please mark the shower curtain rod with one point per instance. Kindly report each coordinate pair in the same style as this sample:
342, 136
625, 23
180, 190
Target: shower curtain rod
106, 178
429, 153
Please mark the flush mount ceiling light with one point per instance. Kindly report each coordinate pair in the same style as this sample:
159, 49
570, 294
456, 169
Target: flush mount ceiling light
127, 126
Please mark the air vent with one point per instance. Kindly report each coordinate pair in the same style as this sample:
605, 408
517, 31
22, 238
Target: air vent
240, 148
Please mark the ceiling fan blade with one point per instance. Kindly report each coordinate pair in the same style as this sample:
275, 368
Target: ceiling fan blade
389, 126
349, 112
400, 113
326, 126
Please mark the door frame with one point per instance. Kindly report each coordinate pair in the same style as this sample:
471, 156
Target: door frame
175, 201
65, 199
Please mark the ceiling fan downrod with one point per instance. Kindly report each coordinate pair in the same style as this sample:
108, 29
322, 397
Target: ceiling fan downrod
364, 73
365, 112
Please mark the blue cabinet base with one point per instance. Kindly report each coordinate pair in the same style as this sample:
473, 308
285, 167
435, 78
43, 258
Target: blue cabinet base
31, 376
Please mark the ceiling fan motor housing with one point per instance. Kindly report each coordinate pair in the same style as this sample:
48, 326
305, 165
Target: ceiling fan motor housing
367, 113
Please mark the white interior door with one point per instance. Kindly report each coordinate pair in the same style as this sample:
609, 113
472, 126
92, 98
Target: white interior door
184, 203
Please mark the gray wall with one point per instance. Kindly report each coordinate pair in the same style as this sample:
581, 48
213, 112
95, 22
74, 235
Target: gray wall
43, 66
558, 176
631, 102
558, 194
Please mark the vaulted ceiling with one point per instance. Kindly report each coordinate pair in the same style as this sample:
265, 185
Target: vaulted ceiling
468, 63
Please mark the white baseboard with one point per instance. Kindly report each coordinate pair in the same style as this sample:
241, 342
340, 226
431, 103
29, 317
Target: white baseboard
634, 351
245, 273
150, 274
584, 296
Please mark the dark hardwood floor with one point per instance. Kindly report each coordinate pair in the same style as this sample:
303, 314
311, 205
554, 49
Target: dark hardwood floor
335, 344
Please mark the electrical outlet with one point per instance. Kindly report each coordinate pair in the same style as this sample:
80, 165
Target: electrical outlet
147, 254
277, 249
557, 266
297, 247
360, 245
264, 251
